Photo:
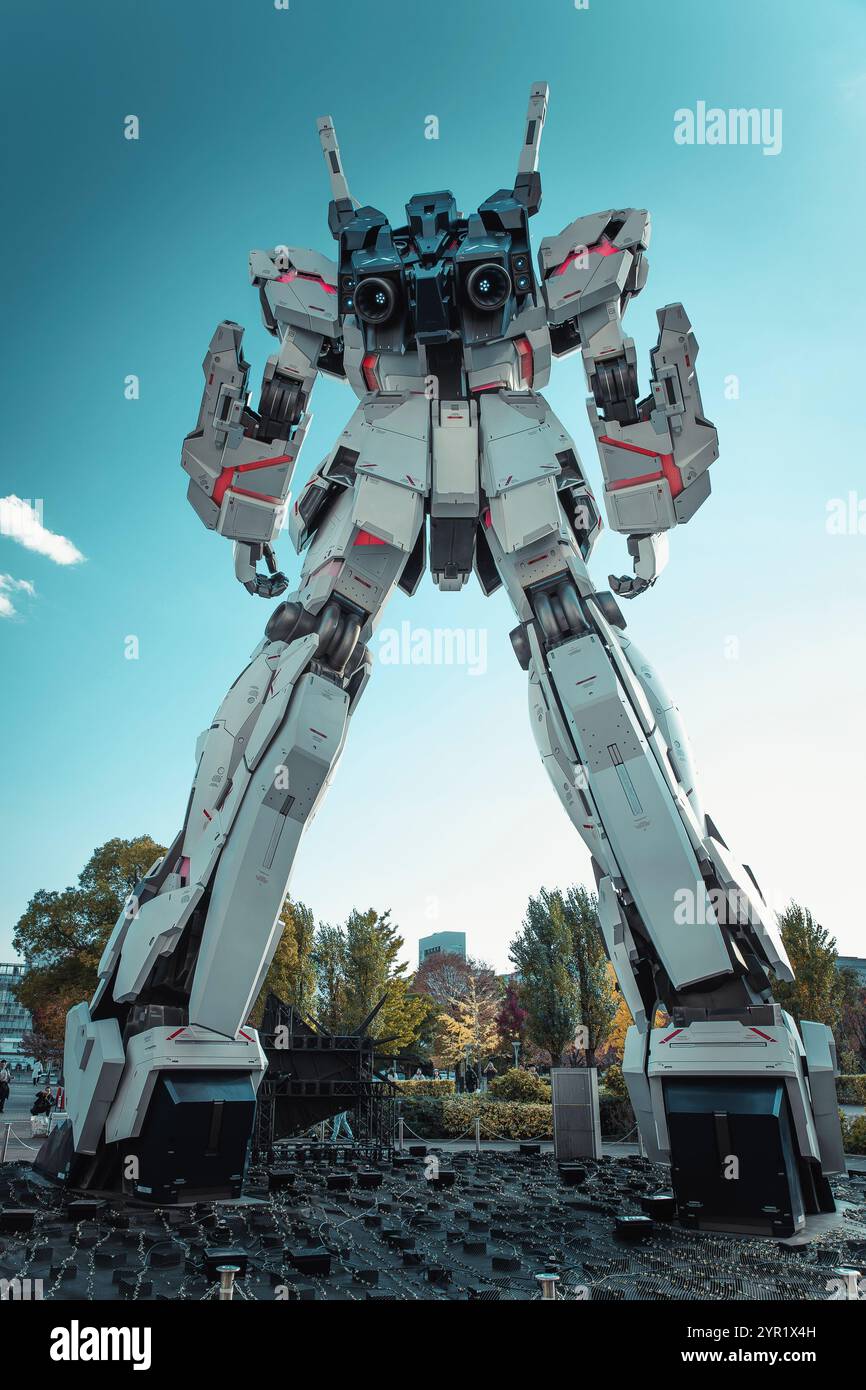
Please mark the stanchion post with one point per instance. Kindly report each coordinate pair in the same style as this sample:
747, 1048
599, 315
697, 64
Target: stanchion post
400, 1133
478, 1134
227, 1282
548, 1283
7, 1130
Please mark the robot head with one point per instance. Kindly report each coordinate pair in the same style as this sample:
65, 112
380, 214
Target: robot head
441, 274
430, 218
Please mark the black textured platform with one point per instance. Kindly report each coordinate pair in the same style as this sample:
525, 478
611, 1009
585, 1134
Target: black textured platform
507, 1217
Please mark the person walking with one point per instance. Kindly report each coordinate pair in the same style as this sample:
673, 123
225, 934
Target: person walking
341, 1125
5, 1080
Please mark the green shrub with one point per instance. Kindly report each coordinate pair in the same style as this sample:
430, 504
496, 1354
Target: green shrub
500, 1119
522, 1086
851, 1090
426, 1087
450, 1117
617, 1117
613, 1081
853, 1133
423, 1117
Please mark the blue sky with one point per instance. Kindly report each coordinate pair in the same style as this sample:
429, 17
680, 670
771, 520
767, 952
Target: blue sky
119, 258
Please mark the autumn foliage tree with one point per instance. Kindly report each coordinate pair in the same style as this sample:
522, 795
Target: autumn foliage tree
292, 974
818, 990
468, 1026
61, 935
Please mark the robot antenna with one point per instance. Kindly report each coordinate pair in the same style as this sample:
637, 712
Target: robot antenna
342, 205
527, 186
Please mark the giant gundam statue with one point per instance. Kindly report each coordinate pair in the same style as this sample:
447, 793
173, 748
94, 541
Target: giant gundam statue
446, 332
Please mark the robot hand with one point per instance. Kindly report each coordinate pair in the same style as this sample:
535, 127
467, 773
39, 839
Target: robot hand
262, 585
650, 555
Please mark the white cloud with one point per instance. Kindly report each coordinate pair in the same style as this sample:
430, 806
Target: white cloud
22, 522
8, 586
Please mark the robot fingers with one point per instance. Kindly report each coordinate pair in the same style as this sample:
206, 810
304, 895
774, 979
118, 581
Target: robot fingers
627, 586
267, 585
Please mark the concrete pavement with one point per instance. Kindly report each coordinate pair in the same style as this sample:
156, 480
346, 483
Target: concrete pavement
21, 1143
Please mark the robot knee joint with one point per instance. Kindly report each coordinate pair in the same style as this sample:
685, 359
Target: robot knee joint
338, 625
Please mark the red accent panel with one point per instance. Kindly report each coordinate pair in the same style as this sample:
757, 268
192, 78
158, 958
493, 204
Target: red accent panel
299, 275
486, 518
527, 368
259, 496
765, 1036
672, 1035
245, 1035
368, 367
367, 538
224, 479
176, 1034
492, 386
605, 247
633, 482
667, 467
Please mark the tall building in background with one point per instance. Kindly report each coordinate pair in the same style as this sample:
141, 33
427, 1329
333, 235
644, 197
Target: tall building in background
15, 1021
442, 943
855, 963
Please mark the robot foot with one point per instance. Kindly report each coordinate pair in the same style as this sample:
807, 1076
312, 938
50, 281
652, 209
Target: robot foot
163, 1114
743, 1108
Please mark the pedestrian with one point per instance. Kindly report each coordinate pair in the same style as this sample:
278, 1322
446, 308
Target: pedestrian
5, 1079
40, 1112
341, 1123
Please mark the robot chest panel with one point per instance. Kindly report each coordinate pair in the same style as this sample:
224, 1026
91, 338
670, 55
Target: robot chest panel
454, 369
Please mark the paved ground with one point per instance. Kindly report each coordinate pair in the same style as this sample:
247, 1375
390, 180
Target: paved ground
21, 1144
346, 1230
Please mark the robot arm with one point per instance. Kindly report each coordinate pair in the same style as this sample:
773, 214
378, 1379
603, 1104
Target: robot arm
655, 451
241, 461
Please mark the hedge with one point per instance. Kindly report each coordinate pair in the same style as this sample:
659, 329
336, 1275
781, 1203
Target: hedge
426, 1087
434, 1117
853, 1133
851, 1090
515, 1084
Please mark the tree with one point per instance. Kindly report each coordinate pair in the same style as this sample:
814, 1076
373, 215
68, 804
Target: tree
469, 1025
511, 1019
44, 1041
62, 935
292, 972
597, 1000
614, 1044
817, 992
541, 954
443, 977
464, 995
356, 965
852, 1022
328, 963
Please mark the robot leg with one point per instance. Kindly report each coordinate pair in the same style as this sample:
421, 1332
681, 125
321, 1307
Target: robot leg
739, 1102
161, 1069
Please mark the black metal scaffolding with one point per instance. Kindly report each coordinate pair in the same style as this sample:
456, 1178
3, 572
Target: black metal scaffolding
314, 1075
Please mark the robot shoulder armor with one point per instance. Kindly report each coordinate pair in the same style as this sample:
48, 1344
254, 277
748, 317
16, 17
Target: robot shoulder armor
298, 288
617, 229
